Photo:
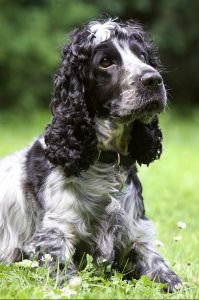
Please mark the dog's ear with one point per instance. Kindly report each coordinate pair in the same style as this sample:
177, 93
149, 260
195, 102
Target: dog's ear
70, 139
146, 142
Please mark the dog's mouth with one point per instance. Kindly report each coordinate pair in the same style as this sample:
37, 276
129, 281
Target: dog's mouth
153, 106
148, 110
144, 112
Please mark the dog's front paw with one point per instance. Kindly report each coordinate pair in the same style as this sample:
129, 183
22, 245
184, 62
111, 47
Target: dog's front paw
173, 284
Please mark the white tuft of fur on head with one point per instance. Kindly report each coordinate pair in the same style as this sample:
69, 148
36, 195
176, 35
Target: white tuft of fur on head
102, 32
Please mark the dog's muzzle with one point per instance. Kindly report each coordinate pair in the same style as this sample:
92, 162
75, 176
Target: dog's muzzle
155, 95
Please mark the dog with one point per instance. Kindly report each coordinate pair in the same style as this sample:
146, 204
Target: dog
75, 190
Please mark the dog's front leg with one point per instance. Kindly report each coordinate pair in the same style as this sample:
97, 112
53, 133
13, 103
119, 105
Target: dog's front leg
143, 259
53, 246
146, 261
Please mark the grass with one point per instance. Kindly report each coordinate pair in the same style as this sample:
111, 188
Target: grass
171, 195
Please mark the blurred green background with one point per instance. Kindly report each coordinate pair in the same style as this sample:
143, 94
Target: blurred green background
32, 33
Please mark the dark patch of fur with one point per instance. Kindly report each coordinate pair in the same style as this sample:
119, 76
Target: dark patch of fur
70, 138
132, 177
146, 142
37, 170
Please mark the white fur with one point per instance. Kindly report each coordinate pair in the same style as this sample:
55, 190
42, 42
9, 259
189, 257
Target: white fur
102, 32
112, 135
130, 61
15, 226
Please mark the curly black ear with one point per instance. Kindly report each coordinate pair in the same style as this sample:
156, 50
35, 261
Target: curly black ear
146, 142
70, 138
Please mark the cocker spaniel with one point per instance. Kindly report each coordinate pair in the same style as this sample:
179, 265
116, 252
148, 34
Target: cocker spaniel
75, 190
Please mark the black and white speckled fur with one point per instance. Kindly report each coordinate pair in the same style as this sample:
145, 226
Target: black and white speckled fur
49, 205
67, 211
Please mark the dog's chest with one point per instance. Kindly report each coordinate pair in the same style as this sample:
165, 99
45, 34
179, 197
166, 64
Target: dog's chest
94, 206
97, 190
105, 222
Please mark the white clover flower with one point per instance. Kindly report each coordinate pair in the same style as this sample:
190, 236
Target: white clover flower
75, 281
159, 243
59, 293
177, 238
66, 291
46, 258
181, 225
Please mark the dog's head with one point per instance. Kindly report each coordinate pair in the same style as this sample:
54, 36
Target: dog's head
107, 90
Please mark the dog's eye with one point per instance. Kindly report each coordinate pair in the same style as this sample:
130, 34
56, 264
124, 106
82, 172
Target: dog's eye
105, 62
137, 37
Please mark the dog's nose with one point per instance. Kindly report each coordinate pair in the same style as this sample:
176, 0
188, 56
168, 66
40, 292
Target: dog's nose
151, 79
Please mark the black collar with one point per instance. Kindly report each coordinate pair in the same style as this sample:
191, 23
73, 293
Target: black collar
111, 157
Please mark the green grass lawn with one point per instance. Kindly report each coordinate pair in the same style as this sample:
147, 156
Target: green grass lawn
171, 195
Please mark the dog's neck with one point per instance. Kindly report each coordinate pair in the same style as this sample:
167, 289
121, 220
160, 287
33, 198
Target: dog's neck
112, 135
